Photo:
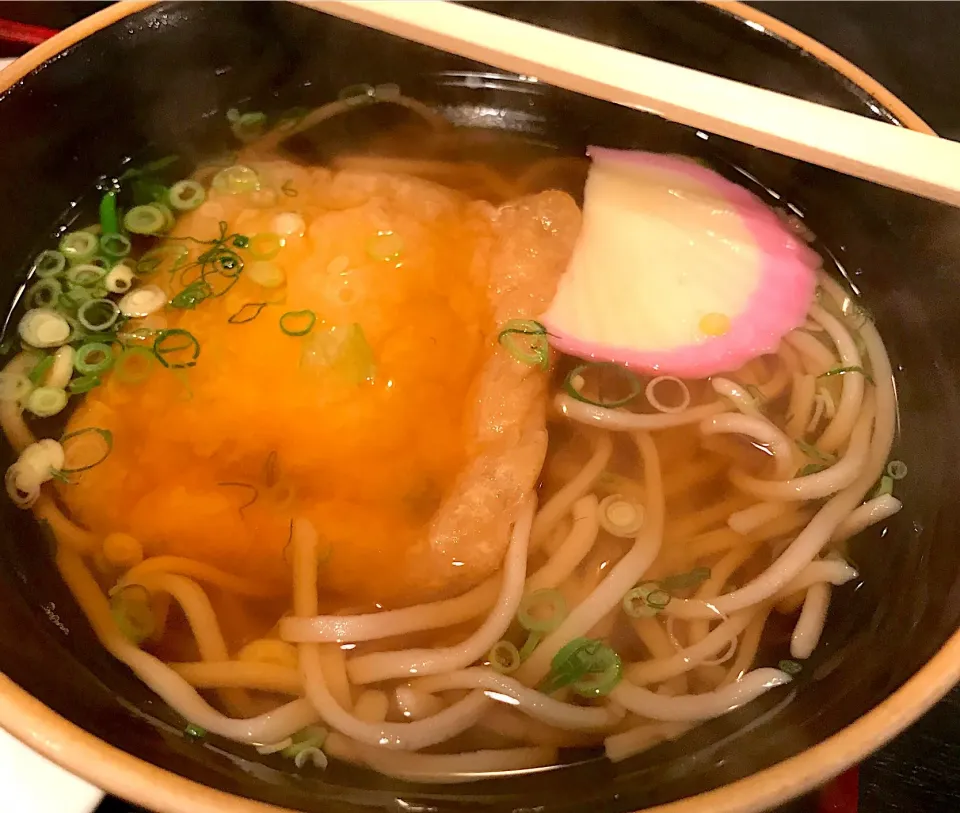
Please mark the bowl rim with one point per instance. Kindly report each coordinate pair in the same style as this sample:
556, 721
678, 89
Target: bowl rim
154, 788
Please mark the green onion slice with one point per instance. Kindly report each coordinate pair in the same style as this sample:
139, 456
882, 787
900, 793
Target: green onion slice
248, 126
46, 401
896, 469
134, 366
811, 468
792, 668
685, 581
86, 274
504, 657
247, 313
883, 487
109, 221
265, 246
542, 610
83, 383
114, 245
40, 369
574, 383
163, 258
813, 452
533, 348
191, 296
645, 600
195, 732
357, 94
146, 219
131, 610
93, 358
92, 445
532, 642
44, 293
187, 195
587, 665
310, 737
176, 348
298, 323
236, 180
98, 314
845, 371
79, 246
49, 263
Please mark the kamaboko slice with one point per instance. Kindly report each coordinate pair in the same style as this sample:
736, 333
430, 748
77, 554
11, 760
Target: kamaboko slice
677, 270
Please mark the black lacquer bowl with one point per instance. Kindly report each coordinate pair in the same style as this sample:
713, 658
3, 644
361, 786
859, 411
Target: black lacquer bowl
138, 79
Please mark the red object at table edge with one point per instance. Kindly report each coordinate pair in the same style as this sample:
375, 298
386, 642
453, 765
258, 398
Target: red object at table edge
842, 794
12, 31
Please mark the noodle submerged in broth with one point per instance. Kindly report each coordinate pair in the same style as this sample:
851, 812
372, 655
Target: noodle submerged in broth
328, 491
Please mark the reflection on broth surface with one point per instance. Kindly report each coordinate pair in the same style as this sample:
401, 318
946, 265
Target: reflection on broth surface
328, 490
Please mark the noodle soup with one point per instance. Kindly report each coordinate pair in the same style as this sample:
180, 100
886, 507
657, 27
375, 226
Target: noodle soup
325, 487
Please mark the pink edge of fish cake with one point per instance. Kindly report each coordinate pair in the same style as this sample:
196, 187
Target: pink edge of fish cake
777, 305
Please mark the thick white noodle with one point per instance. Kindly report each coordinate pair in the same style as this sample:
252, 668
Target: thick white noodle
412, 736
802, 397
756, 516
524, 699
377, 666
414, 704
624, 574
622, 420
816, 358
620, 746
820, 571
762, 431
469, 766
823, 483
851, 394
739, 397
718, 639
693, 707
373, 626
572, 550
870, 513
559, 504
813, 616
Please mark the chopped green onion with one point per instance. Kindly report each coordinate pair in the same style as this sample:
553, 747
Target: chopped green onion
169, 221
43, 327
811, 468
534, 350
504, 657
844, 371
40, 370
883, 487
83, 383
93, 358
288, 189
248, 126
146, 219
645, 600
241, 240
542, 610
134, 366
265, 246
149, 169
86, 274
587, 665
49, 263
195, 732
185, 196
812, 451
236, 180
792, 668
298, 323
310, 737
191, 296
114, 245
167, 344
119, 280
532, 642
79, 246
104, 435
684, 581
44, 293
109, 221
574, 383
266, 274
247, 313
131, 610
357, 94
98, 314
620, 516
163, 258
896, 469
46, 401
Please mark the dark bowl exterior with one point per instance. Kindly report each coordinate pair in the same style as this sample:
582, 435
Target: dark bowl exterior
160, 80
